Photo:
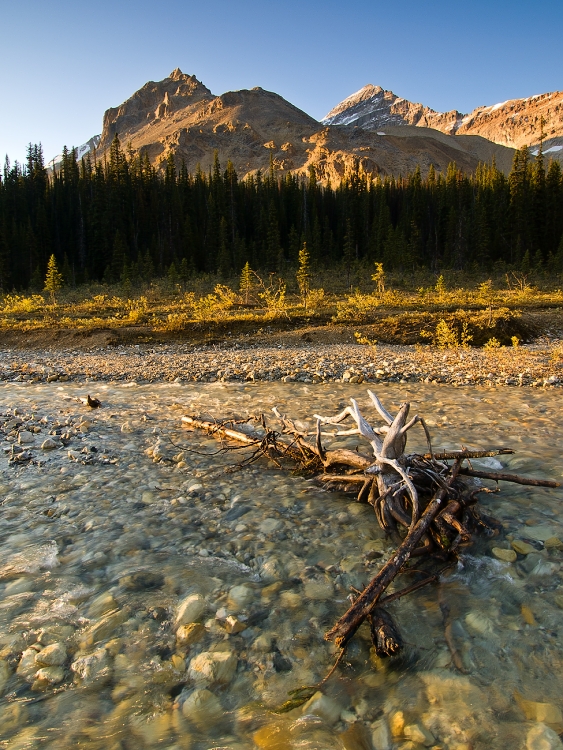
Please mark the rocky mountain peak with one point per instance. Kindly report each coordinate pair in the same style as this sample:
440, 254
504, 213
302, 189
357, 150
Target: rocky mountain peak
373, 107
153, 101
513, 123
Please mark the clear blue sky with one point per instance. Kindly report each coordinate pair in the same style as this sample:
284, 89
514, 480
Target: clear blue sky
63, 63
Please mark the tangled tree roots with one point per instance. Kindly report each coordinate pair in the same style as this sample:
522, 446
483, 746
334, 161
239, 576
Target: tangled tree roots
420, 497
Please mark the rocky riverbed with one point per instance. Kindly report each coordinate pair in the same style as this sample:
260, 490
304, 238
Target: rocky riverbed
150, 598
537, 365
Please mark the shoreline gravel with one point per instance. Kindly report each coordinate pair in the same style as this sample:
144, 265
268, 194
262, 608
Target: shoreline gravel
535, 365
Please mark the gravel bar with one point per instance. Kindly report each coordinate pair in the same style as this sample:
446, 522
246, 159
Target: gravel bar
536, 365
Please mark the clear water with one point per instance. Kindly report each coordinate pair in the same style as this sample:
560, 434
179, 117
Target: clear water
99, 549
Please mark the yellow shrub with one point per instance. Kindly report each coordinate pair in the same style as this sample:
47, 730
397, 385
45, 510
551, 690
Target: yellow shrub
315, 299
492, 343
15, 303
226, 296
449, 337
176, 322
357, 306
364, 341
138, 309
274, 298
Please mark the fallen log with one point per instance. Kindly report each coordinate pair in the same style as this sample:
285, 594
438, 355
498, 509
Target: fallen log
219, 429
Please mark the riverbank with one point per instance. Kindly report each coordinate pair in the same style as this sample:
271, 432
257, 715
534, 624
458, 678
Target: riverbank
308, 356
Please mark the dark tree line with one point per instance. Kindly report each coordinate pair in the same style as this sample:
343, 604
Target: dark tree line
120, 218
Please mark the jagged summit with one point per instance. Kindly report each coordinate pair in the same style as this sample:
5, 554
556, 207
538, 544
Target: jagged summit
373, 107
365, 93
153, 101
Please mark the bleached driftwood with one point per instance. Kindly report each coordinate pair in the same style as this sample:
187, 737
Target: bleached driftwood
419, 493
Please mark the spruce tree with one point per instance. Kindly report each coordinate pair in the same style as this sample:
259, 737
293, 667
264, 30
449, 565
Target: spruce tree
173, 276
53, 280
303, 275
247, 282
348, 252
379, 278
184, 273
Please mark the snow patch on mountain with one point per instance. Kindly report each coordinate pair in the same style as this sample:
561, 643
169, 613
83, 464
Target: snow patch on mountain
81, 151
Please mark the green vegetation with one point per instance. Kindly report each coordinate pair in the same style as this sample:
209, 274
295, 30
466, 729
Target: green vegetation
119, 221
53, 280
475, 313
451, 258
303, 274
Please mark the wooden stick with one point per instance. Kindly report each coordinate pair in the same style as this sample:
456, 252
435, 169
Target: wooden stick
499, 476
351, 620
408, 590
345, 478
218, 429
451, 455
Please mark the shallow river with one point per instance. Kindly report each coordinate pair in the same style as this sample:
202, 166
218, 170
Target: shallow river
149, 599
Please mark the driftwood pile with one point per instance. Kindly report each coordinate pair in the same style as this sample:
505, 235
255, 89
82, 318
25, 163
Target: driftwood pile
430, 504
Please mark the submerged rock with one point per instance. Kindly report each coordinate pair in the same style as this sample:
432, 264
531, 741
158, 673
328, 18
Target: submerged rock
542, 737
521, 547
190, 609
188, 634
213, 667
49, 675
321, 705
4, 675
27, 665
52, 656
417, 733
548, 713
94, 669
506, 555
143, 580
202, 707
240, 597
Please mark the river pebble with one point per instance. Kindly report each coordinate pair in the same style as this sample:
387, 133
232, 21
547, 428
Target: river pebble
51, 656
534, 365
506, 555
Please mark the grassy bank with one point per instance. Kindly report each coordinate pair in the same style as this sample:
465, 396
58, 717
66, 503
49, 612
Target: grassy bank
449, 312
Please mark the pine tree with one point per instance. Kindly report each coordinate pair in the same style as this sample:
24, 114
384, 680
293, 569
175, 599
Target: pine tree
348, 252
184, 273
224, 265
379, 278
303, 275
173, 276
119, 257
4, 263
53, 280
247, 282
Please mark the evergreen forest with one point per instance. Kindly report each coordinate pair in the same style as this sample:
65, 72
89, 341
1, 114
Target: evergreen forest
120, 218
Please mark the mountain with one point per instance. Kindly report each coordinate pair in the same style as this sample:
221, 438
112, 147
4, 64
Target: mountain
514, 123
372, 108
89, 147
254, 128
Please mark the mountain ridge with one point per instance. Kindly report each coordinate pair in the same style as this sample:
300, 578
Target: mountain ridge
257, 129
513, 123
